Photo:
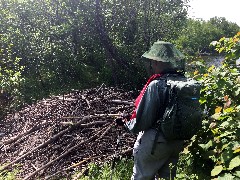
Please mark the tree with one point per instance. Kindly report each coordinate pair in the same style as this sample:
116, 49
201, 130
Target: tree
198, 34
67, 44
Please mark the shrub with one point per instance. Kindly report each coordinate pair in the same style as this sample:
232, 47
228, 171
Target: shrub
216, 149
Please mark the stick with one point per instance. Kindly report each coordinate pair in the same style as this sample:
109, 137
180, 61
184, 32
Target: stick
105, 132
85, 125
62, 155
34, 128
72, 166
45, 143
117, 101
88, 103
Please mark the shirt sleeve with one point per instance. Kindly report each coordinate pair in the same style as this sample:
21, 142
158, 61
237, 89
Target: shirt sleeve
148, 109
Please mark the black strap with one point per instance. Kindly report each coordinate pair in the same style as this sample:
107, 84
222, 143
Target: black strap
162, 112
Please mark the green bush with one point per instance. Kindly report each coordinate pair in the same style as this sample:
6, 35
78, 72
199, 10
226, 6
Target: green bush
215, 151
10, 78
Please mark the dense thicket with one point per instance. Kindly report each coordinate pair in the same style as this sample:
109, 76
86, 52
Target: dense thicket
65, 43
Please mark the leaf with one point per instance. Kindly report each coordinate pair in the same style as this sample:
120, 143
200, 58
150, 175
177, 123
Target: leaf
224, 124
225, 134
237, 173
237, 150
206, 146
228, 110
237, 92
235, 162
216, 116
226, 176
202, 100
196, 72
211, 68
218, 109
226, 155
216, 170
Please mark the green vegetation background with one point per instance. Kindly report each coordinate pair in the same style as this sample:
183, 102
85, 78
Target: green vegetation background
50, 47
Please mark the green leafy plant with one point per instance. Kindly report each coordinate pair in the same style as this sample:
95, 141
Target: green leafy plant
122, 171
10, 78
217, 147
5, 175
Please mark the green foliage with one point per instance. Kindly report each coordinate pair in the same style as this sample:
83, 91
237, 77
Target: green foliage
122, 171
10, 78
69, 44
198, 34
217, 146
5, 175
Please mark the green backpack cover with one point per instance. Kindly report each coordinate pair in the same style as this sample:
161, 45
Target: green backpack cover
182, 117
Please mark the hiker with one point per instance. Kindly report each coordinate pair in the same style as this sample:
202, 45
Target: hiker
150, 163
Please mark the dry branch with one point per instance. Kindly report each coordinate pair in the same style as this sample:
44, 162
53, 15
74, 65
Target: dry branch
34, 128
68, 135
62, 155
122, 102
45, 143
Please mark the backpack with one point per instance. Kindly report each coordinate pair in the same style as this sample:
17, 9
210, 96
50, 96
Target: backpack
182, 117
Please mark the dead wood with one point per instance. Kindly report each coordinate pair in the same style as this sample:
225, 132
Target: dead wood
64, 154
122, 102
34, 128
67, 137
45, 143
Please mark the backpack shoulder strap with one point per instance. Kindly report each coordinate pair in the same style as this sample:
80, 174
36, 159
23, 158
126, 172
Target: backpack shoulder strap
166, 97
169, 98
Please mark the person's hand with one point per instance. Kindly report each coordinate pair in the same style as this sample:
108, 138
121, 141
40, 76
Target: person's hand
119, 121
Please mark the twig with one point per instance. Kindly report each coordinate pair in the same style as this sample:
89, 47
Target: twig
105, 132
117, 101
100, 87
93, 123
83, 97
34, 128
62, 155
45, 143
72, 166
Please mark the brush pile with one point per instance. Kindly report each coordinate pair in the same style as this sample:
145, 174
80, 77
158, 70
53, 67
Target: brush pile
60, 136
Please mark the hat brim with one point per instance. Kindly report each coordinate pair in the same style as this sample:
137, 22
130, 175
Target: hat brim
146, 55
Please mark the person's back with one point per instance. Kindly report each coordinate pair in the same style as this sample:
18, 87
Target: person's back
163, 58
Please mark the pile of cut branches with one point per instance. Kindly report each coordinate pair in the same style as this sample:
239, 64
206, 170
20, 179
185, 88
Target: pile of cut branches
59, 136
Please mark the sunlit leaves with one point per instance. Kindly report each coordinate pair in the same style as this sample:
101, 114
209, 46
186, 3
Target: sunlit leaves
220, 96
235, 162
218, 109
216, 170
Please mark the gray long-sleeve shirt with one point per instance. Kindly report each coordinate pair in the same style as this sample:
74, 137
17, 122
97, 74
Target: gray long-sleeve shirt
149, 108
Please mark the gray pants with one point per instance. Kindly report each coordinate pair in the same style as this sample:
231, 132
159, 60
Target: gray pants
147, 166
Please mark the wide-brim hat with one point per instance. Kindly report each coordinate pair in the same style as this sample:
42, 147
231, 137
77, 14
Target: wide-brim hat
166, 52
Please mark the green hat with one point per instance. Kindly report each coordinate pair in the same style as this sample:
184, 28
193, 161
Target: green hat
166, 52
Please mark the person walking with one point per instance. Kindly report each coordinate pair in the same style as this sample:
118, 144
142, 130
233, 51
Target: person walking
155, 158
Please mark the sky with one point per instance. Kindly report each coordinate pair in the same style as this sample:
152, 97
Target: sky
206, 9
